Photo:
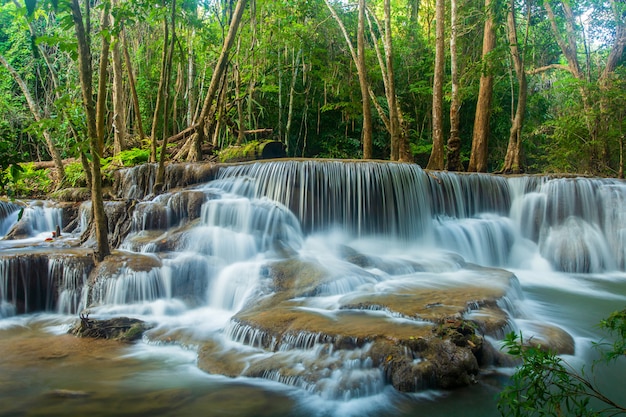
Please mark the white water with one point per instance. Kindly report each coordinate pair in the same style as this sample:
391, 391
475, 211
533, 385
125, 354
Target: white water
563, 239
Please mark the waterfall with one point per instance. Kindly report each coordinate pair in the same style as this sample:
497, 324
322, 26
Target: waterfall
8, 216
362, 197
332, 277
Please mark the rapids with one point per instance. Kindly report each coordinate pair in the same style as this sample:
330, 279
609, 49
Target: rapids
271, 284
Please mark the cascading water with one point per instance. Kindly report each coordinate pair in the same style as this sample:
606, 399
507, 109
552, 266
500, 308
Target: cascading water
323, 276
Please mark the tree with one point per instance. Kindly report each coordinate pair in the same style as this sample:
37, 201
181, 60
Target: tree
119, 107
512, 160
453, 160
82, 28
199, 136
480, 137
436, 155
359, 61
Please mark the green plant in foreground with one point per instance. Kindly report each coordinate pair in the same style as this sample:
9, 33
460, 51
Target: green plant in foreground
546, 385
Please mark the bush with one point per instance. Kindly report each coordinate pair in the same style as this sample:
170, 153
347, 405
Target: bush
25, 180
546, 385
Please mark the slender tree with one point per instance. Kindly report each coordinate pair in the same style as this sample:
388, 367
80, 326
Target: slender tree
359, 60
436, 155
82, 28
119, 107
480, 136
512, 160
453, 160
199, 136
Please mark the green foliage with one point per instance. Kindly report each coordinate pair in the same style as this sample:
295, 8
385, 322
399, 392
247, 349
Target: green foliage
127, 158
25, 180
616, 325
546, 385
75, 174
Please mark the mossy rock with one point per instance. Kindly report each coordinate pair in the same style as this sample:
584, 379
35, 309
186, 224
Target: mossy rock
253, 150
123, 329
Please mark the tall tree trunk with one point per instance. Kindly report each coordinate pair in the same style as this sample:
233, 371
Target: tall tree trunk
367, 114
103, 79
86, 82
195, 153
160, 175
292, 93
362, 73
119, 108
512, 159
161, 92
35, 109
480, 136
133, 88
397, 138
453, 161
436, 155
190, 94
397, 129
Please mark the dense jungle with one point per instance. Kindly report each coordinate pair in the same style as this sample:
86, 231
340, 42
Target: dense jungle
494, 86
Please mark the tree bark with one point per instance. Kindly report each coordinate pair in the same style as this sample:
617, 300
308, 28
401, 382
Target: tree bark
436, 155
103, 78
86, 82
160, 174
292, 93
480, 136
133, 88
119, 108
453, 161
195, 153
362, 73
367, 112
158, 113
512, 159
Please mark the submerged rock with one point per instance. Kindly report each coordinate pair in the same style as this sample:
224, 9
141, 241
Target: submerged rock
123, 329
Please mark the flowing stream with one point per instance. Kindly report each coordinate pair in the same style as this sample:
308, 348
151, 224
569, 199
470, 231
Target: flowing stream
200, 263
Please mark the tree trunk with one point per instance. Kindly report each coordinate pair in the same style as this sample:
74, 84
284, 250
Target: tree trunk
362, 73
512, 160
84, 73
133, 88
480, 136
160, 100
436, 155
103, 79
195, 153
160, 174
119, 109
292, 93
367, 113
453, 162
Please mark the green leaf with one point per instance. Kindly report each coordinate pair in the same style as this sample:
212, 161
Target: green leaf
31, 5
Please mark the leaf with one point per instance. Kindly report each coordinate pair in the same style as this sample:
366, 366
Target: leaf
31, 5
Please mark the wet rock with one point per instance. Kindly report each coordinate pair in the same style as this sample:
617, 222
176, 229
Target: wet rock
549, 337
123, 329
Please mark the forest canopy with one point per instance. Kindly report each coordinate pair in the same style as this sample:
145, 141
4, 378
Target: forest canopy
481, 85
